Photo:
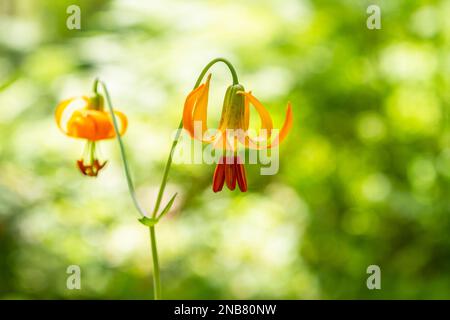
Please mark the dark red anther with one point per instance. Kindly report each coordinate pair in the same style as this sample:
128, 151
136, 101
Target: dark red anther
240, 175
219, 177
230, 173
92, 169
229, 170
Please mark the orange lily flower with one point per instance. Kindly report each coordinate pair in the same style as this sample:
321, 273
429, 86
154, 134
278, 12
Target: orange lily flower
235, 117
85, 118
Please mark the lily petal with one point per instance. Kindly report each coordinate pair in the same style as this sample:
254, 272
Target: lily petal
94, 125
287, 126
201, 107
258, 145
66, 109
189, 105
123, 123
266, 119
247, 113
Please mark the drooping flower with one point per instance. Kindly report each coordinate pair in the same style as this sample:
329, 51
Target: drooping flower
85, 118
232, 131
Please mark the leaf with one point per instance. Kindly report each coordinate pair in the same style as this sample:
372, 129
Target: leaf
149, 222
167, 207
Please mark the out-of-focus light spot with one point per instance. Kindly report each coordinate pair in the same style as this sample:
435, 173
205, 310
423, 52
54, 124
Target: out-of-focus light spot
123, 241
316, 158
414, 111
269, 82
371, 127
89, 49
12, 106
407, 62
26, 33
376, 187
38, 225
46, 63
422, 173
294, 11
425, 22
282, 194
444, 11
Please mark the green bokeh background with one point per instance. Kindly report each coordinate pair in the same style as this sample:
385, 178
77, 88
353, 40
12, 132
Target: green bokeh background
364, 175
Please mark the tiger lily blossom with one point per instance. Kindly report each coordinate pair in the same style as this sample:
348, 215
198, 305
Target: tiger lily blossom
232, 131
85, 118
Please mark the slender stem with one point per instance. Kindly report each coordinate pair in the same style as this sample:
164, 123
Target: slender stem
156, 270
122, 148
156, 276
95, 85
211, 63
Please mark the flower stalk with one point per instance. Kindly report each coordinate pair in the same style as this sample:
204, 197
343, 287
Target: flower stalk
151, 221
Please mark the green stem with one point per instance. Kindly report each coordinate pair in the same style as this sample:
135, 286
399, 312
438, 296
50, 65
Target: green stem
211, 63
156, 271
156, 276
122, 148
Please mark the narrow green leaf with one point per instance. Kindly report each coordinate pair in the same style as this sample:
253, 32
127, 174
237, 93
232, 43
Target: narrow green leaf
149, 222
167, 207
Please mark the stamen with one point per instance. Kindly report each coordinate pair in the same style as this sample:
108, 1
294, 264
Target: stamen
240, 175
230, 175
89, 165
219, 177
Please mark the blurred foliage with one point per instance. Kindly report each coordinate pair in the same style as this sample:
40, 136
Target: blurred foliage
364, 176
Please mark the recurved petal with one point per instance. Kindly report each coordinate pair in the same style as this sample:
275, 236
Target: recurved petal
189, 105
266, 119
263, 142
66, 109
123, 122
287, 126
200, 111
246, 113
